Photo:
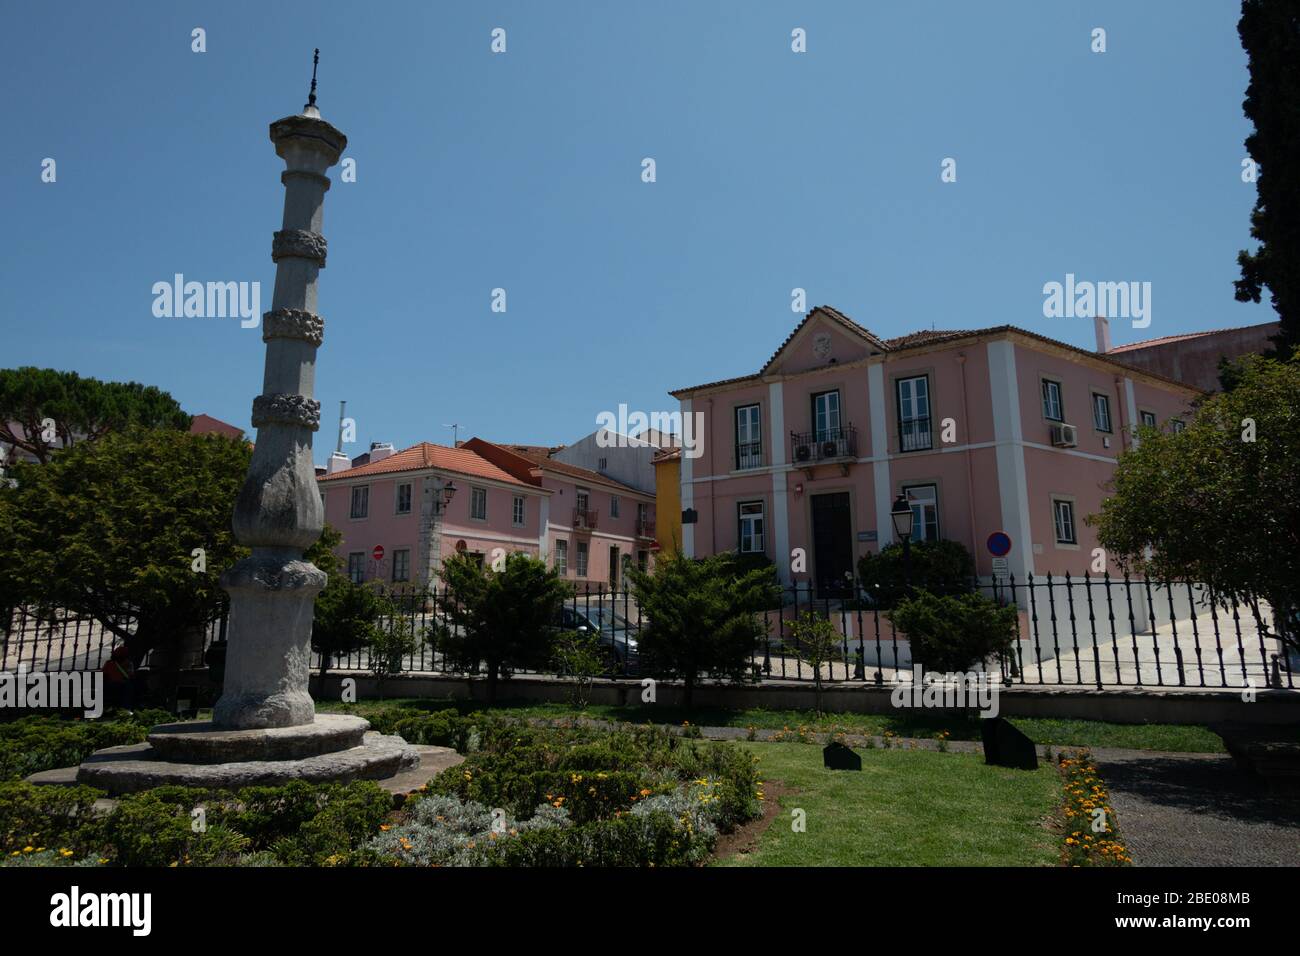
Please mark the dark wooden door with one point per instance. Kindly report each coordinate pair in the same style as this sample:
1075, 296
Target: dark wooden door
832, 522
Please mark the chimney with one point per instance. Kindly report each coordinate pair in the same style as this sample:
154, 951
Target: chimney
379, 450
1102, 326
338, 462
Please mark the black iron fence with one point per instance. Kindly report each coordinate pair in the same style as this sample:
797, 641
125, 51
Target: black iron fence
54, 639
1084, 631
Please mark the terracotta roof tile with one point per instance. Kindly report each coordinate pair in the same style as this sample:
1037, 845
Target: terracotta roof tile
461, 461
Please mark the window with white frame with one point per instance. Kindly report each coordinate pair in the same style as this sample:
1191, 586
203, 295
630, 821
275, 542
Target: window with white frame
1053, 407
1148, 419
561, 557
1177, 425
360, 502
478, 503
749, 437
924, 500
826, 416
401, 564
751, 528
1063, 520
517, 514
357, 567
914, 413
613, 506
1100, 412
582, 559
404, 498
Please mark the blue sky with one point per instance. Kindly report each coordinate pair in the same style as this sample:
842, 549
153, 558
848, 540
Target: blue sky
775, 170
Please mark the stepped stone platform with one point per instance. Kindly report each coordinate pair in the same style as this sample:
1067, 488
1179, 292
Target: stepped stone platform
334, 748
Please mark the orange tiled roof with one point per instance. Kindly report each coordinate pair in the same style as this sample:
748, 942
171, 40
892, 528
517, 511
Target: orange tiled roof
462, 461
544, 461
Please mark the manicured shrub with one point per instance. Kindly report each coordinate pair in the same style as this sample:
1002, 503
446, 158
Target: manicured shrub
46, 816
954, 632
352, 813
155, 828
940, 567
32, 744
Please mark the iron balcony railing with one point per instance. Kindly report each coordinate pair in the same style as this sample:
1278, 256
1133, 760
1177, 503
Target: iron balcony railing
584, 520
645, 527
914, 434
827, 444
749, 455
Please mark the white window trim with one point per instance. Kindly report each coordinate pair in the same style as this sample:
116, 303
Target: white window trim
742, 519
1074, 522
1060, 399
473, 517
397, 497
905, 491
1110, 418
352, 497
518, 506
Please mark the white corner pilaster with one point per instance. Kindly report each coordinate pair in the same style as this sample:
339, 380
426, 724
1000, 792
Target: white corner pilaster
880, 454
1013, 488
780, 495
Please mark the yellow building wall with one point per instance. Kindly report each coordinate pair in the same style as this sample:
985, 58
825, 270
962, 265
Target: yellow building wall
668, 505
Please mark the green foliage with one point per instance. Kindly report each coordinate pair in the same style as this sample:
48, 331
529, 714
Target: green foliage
155, 828
109, 527
954, 632
298, 824
1270, 35
702, 617
46, 817
83, 409
347, 615
941, 567
445, 728
578, 656
1214, 506
32, 744
814, 640
504, 618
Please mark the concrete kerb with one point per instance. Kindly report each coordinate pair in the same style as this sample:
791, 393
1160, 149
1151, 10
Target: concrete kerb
1122, 706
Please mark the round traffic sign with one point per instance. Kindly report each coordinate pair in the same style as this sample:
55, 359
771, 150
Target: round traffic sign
378, 552
999, 544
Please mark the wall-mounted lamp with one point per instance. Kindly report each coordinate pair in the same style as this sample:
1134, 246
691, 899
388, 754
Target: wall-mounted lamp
443, 492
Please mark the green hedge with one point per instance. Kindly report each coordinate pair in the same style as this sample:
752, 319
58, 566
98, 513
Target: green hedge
32, 744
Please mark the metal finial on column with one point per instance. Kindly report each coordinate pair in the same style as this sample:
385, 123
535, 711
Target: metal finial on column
311, 96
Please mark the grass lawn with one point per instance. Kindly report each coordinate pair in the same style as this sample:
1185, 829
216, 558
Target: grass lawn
906, 808
1176, 738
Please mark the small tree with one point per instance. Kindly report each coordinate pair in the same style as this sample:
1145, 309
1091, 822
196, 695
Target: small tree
390, 637
346, 614
1180, 499
133, 525
953, 632
80, 409
702, 617
814, 640
504, 618
578, 656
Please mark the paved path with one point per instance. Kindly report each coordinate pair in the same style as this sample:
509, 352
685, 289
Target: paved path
1199, 810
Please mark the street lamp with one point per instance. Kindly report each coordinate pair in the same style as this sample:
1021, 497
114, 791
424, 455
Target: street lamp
901, 515
443, 492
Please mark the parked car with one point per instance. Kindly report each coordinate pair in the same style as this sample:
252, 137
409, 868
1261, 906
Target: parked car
613, 633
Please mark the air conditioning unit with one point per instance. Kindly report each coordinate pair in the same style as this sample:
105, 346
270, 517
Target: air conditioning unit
802, 452
1065, 436
829, 449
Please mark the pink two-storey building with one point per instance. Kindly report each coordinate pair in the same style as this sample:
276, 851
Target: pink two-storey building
400, 513
996, 429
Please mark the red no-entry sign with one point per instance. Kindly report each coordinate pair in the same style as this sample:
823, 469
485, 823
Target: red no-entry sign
378, 553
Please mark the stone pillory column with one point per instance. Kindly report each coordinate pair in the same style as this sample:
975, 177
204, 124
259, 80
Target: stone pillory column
278, 513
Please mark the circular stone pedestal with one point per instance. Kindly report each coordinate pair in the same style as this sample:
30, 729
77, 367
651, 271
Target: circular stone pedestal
200, 741
335, 748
